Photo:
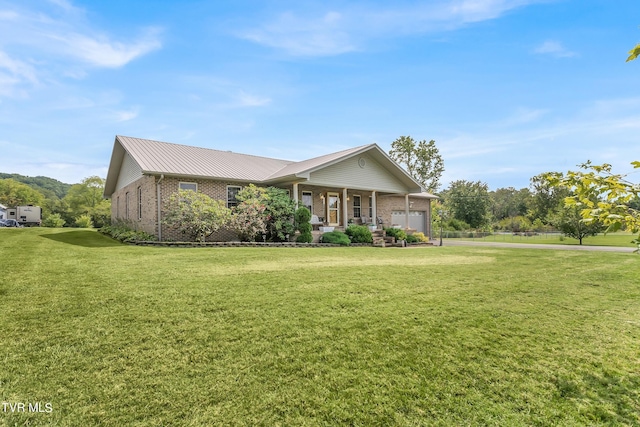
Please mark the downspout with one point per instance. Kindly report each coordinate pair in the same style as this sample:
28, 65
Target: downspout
159, 196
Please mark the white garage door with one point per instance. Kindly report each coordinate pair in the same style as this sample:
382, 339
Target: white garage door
416, 219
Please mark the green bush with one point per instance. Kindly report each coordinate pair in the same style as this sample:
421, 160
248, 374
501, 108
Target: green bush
302, 218
421, 237
84, 221
456, 224
359, 234
398, 233
53, 221
336, 238
412, 239
124, 233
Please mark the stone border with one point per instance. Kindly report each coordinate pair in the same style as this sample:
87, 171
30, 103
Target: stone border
243, 244
265, 244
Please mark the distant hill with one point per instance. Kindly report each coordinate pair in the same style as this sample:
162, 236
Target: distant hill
45, 185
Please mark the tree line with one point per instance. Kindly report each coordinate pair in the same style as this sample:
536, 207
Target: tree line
77, 205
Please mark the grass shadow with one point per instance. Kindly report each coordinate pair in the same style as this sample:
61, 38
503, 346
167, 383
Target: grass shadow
85, 238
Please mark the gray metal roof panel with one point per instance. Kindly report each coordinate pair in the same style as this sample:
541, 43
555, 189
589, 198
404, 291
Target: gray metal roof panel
175, 159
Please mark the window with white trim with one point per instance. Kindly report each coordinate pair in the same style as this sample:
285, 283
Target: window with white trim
307, 200
370, 207
193, 186
126, 205
357, 205
232, 191
139, 202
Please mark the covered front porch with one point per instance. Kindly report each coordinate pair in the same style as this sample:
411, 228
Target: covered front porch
340, 207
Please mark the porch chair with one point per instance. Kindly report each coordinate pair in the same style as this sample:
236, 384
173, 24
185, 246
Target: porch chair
315, 221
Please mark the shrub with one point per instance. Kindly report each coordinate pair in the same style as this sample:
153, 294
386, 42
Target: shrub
124, 233
280, 209
54, 221
84, 221
398, 233
359, 234
196, 214
302, 218
456, 224
421, 237
336, 238
412, 239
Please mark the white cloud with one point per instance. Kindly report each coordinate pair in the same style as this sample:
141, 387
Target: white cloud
554, 48
317, 36
46, 44
336, 32
126, 115
247, 100
102, 52
14, 75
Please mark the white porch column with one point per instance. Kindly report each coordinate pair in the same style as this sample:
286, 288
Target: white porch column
295, 194
406, 210
345, 208
374, 209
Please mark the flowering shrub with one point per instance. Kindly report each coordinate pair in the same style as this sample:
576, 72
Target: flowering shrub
196, 214
248, 219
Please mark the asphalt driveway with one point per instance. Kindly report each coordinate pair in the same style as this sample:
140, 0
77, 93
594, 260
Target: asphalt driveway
455, 242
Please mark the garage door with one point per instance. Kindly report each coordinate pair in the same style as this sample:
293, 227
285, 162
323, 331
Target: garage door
416, 219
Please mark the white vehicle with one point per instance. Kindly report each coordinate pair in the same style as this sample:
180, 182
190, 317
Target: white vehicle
26, 215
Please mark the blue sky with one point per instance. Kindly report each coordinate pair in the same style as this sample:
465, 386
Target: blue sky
507, 88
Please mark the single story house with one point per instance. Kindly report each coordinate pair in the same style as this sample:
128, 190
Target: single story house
361, 184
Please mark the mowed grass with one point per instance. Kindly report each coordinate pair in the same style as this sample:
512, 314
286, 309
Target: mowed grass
621, 239
116, 335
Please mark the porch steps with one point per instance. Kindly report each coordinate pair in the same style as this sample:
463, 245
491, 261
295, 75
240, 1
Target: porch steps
379, 239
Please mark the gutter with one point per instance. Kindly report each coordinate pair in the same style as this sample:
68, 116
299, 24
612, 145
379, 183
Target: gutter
159, 197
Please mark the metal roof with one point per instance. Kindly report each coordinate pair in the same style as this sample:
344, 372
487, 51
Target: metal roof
175, 159
156, 158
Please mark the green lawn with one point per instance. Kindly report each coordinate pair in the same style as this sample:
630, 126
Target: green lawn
117, 335
609, 239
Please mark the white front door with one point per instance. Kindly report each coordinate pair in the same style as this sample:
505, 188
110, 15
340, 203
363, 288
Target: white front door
333, 209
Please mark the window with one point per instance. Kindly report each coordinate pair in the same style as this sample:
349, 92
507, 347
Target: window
371, 207
357, 204
118, 207
307, 200
139, 202
193, 186
232, 190
126, 205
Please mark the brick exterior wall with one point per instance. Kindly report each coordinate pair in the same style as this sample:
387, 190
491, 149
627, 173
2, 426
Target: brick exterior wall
148, 221
144, 219
388, 204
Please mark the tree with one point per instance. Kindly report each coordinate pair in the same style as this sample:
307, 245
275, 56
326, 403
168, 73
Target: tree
633, 53
196, 214
14, 193
422, 160
569, 221
248, 218
509, 202
602, 196
546, 198
279, 211
469, 202
86, 199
